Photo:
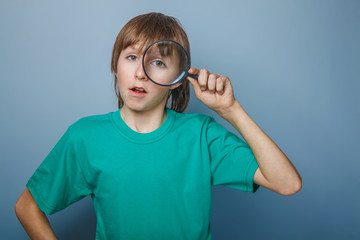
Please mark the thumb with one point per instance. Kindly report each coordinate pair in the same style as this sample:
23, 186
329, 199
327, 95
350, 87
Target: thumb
195, 85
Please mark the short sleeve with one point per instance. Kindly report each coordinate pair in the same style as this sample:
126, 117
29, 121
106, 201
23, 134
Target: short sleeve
59, 181
231, 159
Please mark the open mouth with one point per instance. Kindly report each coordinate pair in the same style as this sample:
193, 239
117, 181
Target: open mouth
138, 90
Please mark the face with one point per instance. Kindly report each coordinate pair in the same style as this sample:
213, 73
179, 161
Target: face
137, 91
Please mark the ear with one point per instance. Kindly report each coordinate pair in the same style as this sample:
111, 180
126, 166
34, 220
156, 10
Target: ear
175, 86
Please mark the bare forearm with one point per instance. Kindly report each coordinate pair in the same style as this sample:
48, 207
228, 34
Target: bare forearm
276, 171
36, 224
33, 220
273, 163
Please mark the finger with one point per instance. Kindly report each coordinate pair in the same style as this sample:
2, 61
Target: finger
195, 85
220, 84
202, 79
211, 84
194, 71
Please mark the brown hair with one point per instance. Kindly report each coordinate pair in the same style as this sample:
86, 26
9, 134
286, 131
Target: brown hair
145, 29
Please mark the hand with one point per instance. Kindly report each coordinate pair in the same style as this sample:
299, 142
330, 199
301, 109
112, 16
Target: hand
214, 90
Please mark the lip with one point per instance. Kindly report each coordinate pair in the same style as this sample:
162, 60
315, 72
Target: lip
137, 93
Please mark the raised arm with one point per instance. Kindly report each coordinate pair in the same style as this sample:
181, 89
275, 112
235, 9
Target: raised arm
275, 172
33, 220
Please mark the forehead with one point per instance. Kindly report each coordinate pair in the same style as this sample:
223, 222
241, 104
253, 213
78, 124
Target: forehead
137, 47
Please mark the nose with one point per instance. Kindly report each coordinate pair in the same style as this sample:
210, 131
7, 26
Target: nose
139, 73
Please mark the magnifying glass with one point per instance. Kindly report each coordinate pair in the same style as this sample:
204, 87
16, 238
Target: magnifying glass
166, 62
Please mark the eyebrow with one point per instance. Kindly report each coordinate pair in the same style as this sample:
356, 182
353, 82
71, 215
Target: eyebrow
135, 47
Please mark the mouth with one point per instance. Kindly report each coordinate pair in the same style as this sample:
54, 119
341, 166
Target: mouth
138, 91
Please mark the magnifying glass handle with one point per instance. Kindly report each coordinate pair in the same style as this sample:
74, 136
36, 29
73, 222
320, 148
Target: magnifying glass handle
193, 76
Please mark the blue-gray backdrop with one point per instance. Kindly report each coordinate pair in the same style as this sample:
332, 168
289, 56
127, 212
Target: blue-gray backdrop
295, 67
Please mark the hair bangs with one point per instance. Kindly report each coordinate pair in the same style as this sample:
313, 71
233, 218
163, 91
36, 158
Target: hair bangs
148, 32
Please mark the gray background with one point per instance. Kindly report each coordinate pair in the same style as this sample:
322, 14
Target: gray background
295, 68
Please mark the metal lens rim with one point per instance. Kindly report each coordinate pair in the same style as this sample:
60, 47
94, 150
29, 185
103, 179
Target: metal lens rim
187, 59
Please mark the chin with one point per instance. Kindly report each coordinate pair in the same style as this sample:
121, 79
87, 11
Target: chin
136, 107
141, 107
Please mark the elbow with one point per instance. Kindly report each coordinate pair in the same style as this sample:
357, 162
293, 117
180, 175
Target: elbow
17, 209
21, 206
292, 188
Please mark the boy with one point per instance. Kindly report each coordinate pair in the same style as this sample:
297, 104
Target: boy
149, 169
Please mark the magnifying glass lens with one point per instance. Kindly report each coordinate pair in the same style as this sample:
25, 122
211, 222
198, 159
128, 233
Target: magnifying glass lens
165, 62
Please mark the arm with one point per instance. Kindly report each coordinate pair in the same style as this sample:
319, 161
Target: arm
275, 172
33, 220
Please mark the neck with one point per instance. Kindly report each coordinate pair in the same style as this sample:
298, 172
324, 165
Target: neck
143, 121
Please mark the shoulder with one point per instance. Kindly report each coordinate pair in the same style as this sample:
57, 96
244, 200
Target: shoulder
194, 122
91, 124
192, 118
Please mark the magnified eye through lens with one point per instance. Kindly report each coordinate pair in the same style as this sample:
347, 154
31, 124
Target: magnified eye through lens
165, 62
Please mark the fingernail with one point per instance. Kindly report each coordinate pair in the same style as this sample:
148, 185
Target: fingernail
202, 88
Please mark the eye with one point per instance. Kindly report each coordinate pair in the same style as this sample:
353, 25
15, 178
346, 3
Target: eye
159, 63
132, 57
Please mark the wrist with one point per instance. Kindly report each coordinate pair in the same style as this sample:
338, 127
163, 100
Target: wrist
229, 112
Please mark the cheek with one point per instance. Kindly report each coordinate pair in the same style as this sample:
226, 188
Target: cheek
161, 91
123, 77
124, 68
123, 80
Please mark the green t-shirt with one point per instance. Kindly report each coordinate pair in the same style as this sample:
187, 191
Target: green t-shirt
144, 185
